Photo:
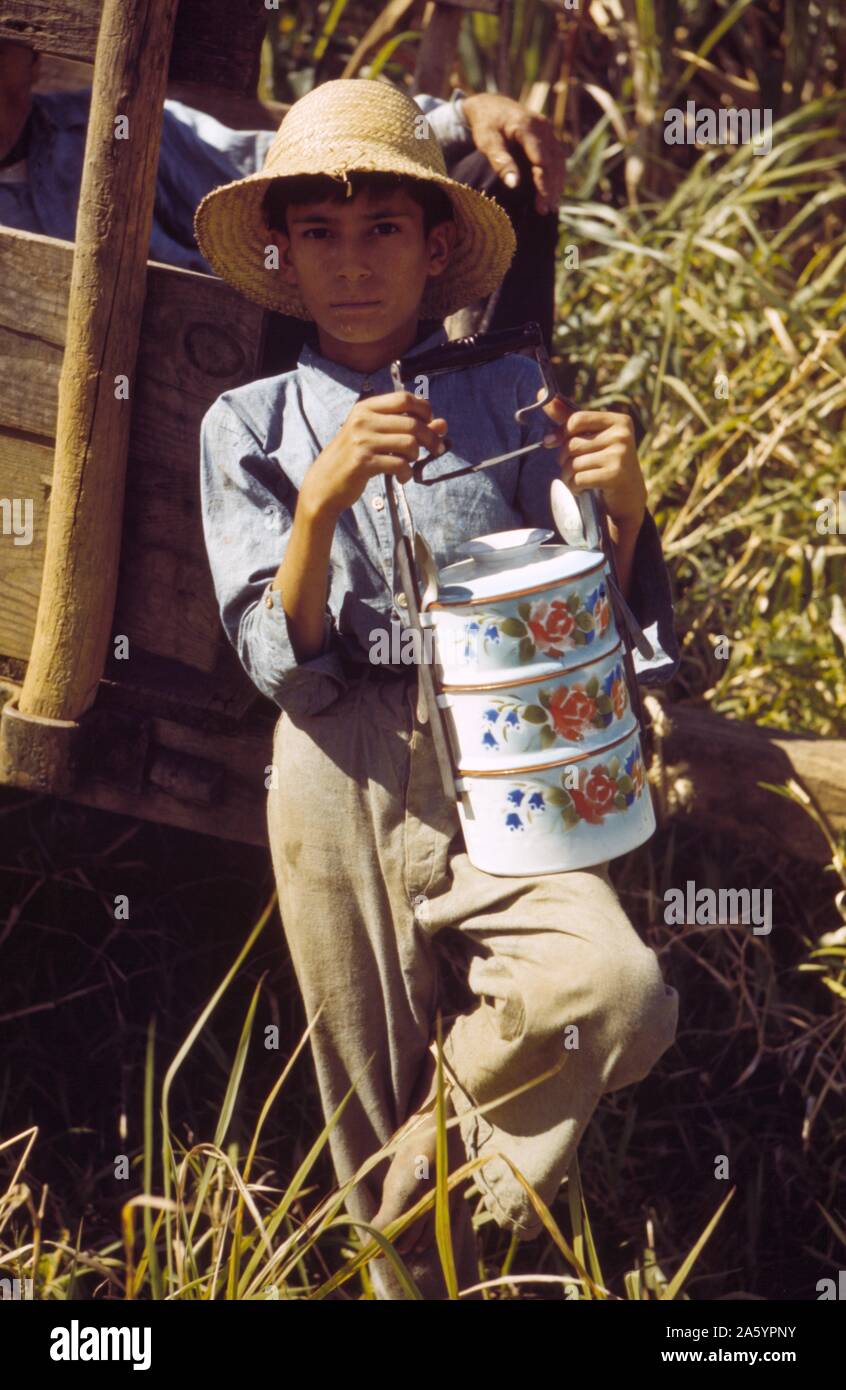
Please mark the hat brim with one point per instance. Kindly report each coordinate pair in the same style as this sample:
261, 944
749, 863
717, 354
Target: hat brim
233, 235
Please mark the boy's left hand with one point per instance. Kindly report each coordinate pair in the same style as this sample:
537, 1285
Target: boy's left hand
598, 450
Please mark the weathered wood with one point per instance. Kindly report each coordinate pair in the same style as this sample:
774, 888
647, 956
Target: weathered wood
437, 50
66, 27
712, 768
35, 274
76, 604
199, 337
26, 470
481, 6
215, 41
439, 44
219, 42
238, 761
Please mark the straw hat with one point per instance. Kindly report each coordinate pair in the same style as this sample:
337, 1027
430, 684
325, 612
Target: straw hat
340, 127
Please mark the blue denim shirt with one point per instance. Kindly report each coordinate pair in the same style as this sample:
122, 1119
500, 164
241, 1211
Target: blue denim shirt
197, 154
258, 440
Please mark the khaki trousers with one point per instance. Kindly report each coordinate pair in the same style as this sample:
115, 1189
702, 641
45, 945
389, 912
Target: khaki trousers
370, 868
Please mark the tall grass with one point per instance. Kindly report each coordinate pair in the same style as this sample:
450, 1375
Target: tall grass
212, 1229
718, 315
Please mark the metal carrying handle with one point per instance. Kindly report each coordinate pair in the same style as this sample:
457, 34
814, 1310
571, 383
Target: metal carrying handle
473, 352
404, 559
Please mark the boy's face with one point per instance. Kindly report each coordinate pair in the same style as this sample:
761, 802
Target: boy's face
361, 267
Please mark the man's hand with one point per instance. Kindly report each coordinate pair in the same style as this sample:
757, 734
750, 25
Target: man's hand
494, 120
381, 434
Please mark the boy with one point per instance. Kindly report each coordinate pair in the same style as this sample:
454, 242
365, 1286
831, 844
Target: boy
366, 847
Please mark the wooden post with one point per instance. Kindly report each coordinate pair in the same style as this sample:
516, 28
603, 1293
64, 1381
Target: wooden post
438, 46
73, 625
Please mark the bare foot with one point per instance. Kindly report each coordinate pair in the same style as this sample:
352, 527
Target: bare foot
412, 1171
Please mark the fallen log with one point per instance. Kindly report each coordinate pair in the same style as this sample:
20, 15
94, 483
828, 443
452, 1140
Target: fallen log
710, 769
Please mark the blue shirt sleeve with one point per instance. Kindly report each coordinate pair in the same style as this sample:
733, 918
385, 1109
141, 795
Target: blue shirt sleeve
247, 512
448, 123
650, 595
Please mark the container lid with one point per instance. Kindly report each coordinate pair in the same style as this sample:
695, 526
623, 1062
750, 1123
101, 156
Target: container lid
506, 564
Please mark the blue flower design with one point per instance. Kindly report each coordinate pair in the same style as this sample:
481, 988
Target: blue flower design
515, 796
592, 599
472, 626
512, 717
630, 761
513, 821
491, 715
492, 633
608, 682
536, 802
488, 740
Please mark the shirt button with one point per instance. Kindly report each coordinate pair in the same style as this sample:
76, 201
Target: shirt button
378, 504
269, 600
402, 601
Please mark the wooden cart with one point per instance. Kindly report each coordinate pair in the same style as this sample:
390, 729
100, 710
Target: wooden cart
118, 687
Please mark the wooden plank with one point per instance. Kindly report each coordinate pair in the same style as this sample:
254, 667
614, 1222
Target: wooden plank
713, 767
68, 28
26, 470
436, 54
105, 305
218, 42
215, 41
35, 274
480, 6
241, 758
199, 337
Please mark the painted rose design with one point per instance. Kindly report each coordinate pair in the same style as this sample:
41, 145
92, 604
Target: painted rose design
602, 613
550, 625
595, 797
571, 712
601, 790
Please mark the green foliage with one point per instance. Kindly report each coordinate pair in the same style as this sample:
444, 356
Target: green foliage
718, 316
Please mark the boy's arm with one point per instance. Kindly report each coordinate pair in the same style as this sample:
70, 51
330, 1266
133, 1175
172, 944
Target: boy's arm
247, 511
648, 591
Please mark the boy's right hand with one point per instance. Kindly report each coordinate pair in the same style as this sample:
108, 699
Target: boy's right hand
381, 434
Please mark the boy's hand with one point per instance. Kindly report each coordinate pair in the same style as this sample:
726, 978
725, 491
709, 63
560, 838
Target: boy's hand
597, 450
381, 434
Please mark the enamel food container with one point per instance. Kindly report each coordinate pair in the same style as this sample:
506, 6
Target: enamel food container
521, 606
567, 814
536, 707
577, 707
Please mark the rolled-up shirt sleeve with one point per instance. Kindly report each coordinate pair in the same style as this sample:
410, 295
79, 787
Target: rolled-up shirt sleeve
248, 508
650, 595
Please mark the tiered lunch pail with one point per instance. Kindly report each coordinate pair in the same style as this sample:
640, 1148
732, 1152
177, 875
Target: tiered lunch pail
530, 697
532, 686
